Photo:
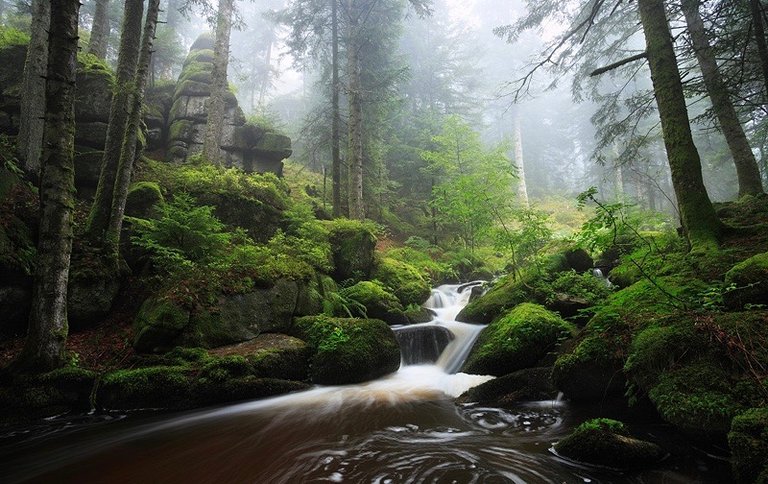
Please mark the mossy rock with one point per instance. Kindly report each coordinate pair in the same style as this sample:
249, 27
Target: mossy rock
523, 385
748, 441
158, 324
517, 340
94, 282
348, 350
578, 259
272, 356
377, 301
165, 387
209, 392
403, 280
607, 442
87, 168
353, 244
592, 369
504, 295
701, 397
204, 41
750, 279
142, 199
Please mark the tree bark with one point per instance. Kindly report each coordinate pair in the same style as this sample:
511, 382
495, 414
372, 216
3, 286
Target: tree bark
756, 11
517, 140
47, 334
30, 139
336, 122
356, 209
746, 166
130, 38
100, 30
215, 123
699, 220
128, 153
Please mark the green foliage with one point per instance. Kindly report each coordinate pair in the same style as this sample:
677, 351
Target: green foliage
605, 425
523, 238
584, 286
90, 62
474, 186
11, 36
184, 234
430, 267
403, 280
748, 441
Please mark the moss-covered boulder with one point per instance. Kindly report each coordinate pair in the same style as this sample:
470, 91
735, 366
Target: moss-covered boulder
523, 385
403, 280
272, 356
517, 340
748, 281
168, 387
370, 299
748, 441
504, 295
348, 350
142, 198
94, 282
353, 245
608, 443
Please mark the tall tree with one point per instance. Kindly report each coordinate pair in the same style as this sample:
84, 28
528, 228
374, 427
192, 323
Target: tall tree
746, 165
756, 10
128, 153
130, 38
100, 30
336, 114
355, 123
517, 142
215, 105
47, 334
30, 139
698, 216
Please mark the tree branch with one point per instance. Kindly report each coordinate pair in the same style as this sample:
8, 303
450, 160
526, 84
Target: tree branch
616, 65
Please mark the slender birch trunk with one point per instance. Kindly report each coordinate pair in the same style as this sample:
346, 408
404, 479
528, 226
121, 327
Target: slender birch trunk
215, 123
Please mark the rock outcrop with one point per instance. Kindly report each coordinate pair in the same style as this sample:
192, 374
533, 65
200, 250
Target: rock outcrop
244, 145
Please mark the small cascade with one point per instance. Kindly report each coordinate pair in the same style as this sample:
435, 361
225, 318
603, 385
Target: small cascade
598, 273
422, 343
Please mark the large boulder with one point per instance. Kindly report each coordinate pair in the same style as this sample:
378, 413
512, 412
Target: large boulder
162, 324
748, 281
353, 247
608, 443
272, 356
517, 340
373, 301
403, 280
505, 294
423, 344
748, 441
348, 350
523, 385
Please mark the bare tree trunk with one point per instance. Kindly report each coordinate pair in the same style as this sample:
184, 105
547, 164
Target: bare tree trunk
336, 122
128, 153
698, 216
47, 334
100, 30
215, 124
746, 166
356, 209
130, 38
30, 139
762, 49
517, 140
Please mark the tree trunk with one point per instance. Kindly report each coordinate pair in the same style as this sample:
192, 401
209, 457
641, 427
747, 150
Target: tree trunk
762, 49
100, 30
698, 216
128, 153
30, 139
522, 188
215, 123
746, 165
130, 38
356, 210
47, 334
336, 122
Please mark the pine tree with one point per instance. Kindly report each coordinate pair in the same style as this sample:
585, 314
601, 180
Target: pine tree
100, 30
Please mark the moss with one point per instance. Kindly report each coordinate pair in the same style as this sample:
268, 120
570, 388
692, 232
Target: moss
523, 385
748, 441
157, 325
155, 387
517, 340
607, 442
142, 198
403, 280
378, 302
353, 244
208, 392
504, 295
431, 269
592, 370
348, 350
698, 398
749, 279
226, 367
199, 55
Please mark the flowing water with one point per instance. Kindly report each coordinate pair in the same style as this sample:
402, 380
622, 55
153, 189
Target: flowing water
403, 428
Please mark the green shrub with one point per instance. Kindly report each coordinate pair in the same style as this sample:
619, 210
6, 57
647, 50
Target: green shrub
403, 280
